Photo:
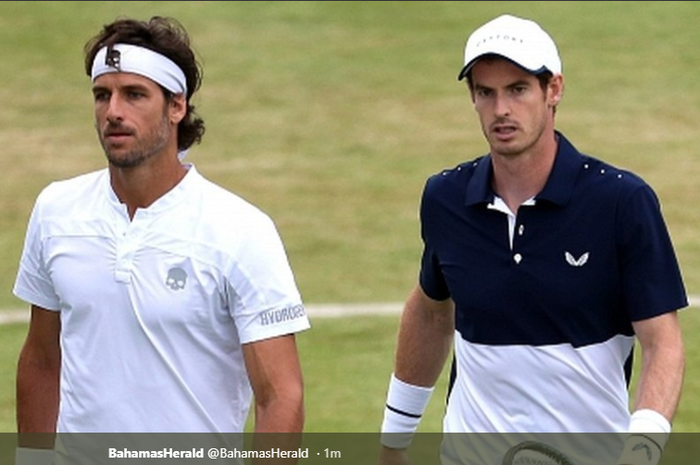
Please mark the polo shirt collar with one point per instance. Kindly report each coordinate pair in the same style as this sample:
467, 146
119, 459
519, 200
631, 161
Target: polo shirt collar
479, 189
559, 186
561, 181
174, 197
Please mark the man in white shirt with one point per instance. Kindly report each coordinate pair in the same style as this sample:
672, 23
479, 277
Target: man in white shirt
160, 302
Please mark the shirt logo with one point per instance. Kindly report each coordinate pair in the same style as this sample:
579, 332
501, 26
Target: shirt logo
177, 278
578, 262
271, 317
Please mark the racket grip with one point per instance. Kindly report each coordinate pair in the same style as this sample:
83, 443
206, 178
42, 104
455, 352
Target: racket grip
641, 449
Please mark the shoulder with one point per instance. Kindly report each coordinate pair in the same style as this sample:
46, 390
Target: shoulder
224, 203
584, 179
76, 183
459, 175
600, 178
225, 216
72, 191
603, 173
593, 173
467, 183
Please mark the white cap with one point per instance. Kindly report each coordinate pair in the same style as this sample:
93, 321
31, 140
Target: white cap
519, 40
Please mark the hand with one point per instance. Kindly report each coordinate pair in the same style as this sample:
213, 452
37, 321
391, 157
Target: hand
389, 456
640, 450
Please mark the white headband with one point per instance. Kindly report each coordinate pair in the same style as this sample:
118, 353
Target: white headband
127, 58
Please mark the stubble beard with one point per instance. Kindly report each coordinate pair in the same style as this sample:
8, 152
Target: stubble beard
143, 149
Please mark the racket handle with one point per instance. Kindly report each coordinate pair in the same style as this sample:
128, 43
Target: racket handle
640, 449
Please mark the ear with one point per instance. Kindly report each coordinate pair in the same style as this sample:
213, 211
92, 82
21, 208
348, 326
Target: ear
177, 109
555, 90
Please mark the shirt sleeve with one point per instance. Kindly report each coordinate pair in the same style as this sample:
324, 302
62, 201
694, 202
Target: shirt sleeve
266, 300
650, 271
431, 278
33, 283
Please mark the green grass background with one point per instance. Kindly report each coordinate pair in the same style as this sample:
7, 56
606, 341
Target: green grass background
329, 116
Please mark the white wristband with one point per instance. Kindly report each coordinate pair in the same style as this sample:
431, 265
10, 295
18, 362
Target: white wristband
649, 431
27, 456
649, 421
405, 405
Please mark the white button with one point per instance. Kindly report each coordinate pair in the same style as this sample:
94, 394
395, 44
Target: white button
521, 230
517, 257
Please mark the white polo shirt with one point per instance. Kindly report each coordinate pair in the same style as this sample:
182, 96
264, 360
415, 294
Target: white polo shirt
154, 310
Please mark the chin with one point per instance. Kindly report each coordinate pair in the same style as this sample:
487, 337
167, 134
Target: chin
124, 161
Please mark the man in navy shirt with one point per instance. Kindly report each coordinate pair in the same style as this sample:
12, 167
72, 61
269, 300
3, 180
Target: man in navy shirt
541, 267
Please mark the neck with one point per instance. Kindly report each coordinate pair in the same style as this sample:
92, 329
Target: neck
519, 177
140, 186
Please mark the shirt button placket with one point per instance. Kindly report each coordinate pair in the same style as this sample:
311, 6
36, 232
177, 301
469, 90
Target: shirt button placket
517, 258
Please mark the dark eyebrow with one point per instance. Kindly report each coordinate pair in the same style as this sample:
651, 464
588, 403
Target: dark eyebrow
128, 87
517, 83
520, 83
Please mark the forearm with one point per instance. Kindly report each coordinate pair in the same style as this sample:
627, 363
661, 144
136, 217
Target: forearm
658, 390
425, 339
37, 401
37, 393
278, 426
663, 365
275, 374
658, 394
282, 415
424, 343
38, 374
661, 381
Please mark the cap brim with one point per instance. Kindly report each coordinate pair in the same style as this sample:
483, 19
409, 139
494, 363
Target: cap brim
465, 70
463, 73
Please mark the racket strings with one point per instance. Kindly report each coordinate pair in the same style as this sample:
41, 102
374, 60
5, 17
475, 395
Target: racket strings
535, 453
523, 459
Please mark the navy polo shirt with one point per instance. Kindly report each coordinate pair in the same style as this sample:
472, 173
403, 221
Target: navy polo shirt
589, 257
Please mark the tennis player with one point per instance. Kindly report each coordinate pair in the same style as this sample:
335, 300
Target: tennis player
541, 267
160, 302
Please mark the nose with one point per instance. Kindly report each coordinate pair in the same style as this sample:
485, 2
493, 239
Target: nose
502, 105
114, 111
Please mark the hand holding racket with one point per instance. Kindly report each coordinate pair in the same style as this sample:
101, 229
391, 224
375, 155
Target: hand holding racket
641, 449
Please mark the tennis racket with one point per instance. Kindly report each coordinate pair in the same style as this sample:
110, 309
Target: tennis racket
535, 453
